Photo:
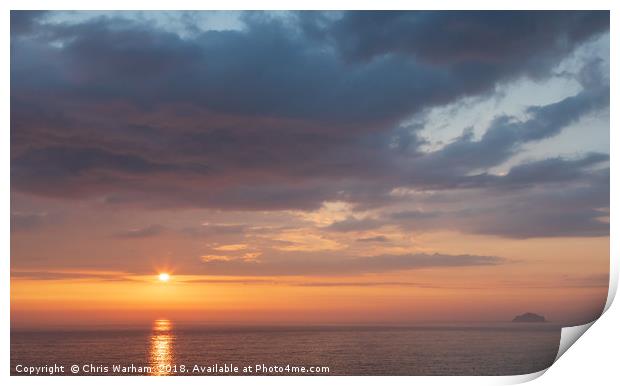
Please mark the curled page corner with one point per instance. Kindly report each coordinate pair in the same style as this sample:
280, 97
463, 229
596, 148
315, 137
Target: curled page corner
613, 286
569, 337
571, 334
519, 379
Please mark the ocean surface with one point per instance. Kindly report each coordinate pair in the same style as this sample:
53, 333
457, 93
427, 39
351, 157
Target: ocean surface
167, 348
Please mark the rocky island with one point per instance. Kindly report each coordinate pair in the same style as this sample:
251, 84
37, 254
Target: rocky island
529, 317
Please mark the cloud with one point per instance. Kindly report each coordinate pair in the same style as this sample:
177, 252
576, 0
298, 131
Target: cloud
27, 221
85, 168
231, 247
549, 170
352, 224
211, 258
246, 257
138, 233
331, 283
23, 22
132, 114
296, 240
206, 230
453, 164
588, 281
504, 41
375, 239
231, 281
546, 216
63, 275
520, 207
303, 264
412, 215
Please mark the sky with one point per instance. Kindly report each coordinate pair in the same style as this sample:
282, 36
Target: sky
308, 167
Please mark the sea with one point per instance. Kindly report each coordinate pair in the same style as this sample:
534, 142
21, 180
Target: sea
169, 348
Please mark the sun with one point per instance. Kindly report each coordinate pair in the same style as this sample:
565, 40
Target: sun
164, 277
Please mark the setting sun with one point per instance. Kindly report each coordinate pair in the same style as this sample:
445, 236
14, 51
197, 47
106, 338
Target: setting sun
164, 277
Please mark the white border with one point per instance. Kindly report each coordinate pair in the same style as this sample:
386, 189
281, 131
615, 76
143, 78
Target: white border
593, 360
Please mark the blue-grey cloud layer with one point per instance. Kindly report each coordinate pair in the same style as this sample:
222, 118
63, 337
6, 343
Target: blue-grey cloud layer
286, 114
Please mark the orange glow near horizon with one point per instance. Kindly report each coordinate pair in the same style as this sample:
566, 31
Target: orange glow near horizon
545, 276
295, 300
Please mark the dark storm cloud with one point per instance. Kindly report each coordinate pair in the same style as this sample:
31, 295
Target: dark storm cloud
111, 58
24, 21
284, 114
502, 40
60, 162
300, 264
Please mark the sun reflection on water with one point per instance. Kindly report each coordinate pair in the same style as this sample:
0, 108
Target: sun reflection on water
161, 354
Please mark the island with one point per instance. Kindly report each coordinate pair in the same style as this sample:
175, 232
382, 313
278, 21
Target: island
529, 317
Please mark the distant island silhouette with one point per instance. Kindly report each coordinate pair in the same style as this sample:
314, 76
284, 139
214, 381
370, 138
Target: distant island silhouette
529, 317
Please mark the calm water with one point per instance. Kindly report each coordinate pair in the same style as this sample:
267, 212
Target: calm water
457, 349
